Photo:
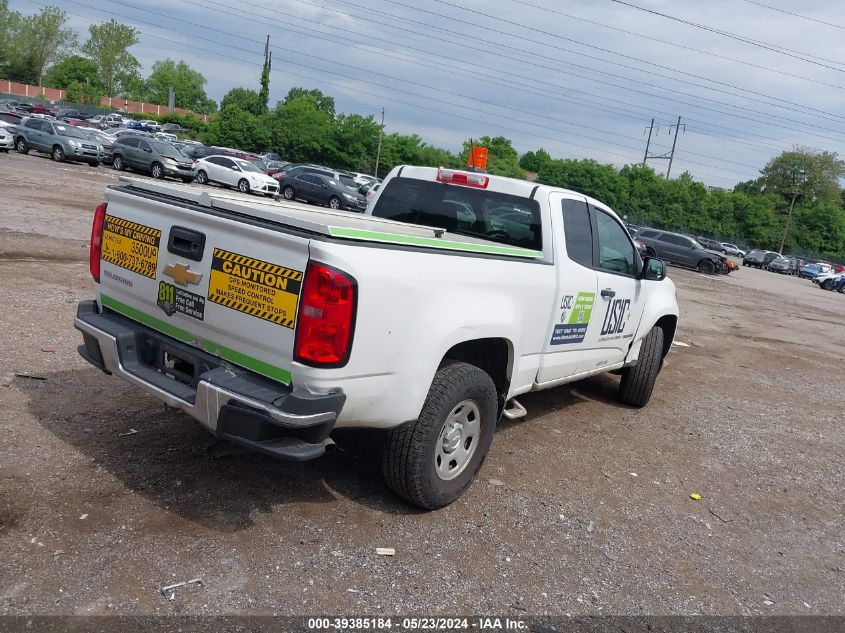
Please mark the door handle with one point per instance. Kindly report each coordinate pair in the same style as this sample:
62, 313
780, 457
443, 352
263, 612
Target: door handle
607, 293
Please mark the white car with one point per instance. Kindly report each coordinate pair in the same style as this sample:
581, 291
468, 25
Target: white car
153, 125
7, 141
732, 249
826, 280
235, 172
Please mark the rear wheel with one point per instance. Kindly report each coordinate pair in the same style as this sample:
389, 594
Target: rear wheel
157, 170
202, 177
289, 193
21, 146
117, 163
706, 266
432, 461
638, 381
243, 185
334, 202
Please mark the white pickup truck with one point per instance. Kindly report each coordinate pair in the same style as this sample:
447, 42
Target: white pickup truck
273, 323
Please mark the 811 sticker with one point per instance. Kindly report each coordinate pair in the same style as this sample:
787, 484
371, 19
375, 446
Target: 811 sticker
258, 288
130, 245
173, 299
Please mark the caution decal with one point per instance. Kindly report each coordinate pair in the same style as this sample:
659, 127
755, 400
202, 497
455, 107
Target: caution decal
130, 245
254, 287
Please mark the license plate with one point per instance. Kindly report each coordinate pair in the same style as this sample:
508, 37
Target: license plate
130, 245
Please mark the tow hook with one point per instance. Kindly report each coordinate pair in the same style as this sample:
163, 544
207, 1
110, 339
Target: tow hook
514, 410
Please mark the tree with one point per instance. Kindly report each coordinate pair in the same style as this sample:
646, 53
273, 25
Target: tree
85, 94
234, 127
243, 98
502, 158
42, 40
811, 175
322, 102
188, 84
108, 45
534, 161
302, 131
72, 69
264, 93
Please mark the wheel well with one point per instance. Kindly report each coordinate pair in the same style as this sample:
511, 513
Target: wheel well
668, 324
493, 355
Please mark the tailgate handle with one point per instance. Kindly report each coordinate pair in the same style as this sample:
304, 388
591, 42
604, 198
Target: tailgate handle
186, 242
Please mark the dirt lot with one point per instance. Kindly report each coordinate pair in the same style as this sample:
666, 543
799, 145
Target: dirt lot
583, 507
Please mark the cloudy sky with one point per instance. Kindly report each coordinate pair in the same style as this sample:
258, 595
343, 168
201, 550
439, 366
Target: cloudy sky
580, 78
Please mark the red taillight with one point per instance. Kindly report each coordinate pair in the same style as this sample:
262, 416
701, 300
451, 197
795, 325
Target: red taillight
96, 242
480, 181
326, 317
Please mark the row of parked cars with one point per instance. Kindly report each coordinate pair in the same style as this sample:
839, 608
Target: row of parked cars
683, 250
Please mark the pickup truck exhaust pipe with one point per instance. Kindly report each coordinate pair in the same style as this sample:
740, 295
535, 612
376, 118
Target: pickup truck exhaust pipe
514, 410
331, 447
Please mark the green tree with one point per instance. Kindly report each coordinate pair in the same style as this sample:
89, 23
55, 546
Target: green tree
534, 161
322, 102
235, 127
355, 142
502, 158
43, 40
242, 98
188, 84
108, 45
85, 94
813, 176
264, 93
303, 132
72, 69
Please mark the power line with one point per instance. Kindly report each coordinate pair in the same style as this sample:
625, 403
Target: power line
797, 15
771, 47
642, 61
676, 44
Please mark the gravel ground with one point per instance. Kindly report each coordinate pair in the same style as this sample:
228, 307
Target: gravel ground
582, 508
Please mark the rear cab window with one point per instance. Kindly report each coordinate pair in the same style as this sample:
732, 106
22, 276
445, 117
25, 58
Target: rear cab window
480, 213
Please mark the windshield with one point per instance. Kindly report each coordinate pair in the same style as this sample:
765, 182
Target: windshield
70, 131
248, 166
488, 215
165, 149
100, 138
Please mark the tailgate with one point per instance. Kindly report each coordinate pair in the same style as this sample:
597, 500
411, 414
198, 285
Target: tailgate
210, 279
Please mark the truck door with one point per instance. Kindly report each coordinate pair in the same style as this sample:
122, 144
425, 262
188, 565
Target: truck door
575, 304
621, 294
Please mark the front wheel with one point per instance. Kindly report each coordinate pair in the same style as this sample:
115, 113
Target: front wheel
243, 185
58, 154
638, 381
334, 203
157, 171
706, 266
432, 461
202, 177
21, 146
827, 284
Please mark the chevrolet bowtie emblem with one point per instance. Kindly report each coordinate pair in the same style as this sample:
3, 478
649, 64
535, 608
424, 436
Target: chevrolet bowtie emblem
182, 274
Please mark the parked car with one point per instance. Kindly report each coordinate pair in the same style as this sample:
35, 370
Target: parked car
70, 113
140, 126
759, 258
839, 285
271, 156
113, 120
165, 136
7, 140
10, 120
826, 281
106, 143
157, 158
326, 191
811, 271
9, 104
172, 128
682, 250
712, 245
154, 126
733, 249
235, 172
63, 142
784, 265
196, 152
287, 175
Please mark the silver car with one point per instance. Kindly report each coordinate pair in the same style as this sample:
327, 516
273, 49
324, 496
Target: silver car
7, 141
733, 249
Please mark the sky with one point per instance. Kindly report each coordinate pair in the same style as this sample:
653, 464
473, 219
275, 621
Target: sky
581, 78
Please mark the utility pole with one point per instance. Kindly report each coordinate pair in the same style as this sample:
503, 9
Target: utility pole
648, 142
795, 195
380, 136
674, 142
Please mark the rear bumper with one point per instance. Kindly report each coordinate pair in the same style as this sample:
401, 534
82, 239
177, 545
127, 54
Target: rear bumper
233, 403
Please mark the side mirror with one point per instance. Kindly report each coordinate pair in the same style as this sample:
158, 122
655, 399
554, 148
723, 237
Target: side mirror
654, 269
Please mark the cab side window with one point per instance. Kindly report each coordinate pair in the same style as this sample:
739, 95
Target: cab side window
579, 232
616, 252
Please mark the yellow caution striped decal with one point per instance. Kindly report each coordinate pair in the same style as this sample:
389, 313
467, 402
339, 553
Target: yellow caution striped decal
132, 226
130, 245
265, 267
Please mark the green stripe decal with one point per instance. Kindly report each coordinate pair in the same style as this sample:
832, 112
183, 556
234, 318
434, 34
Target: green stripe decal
430, 242
247, 362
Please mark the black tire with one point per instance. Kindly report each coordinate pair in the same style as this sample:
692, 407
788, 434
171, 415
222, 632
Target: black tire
827, 284
58, 154
117, 163
334, 203
410, 466
21, 146
289, 193
243, 185
202, 177
157, 171
706, 267
638, 381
